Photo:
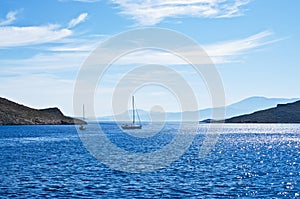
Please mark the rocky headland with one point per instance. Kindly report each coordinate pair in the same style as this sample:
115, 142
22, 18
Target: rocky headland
12, 113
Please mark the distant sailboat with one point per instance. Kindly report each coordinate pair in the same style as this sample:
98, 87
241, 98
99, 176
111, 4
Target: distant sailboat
133, 125
82, 126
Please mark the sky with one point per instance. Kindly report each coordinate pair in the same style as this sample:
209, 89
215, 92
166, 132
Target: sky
43, 44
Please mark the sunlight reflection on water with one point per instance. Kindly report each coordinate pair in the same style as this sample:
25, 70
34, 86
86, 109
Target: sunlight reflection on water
248, 161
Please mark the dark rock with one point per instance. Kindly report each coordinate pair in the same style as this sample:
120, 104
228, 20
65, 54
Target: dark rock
55, 111
12, 113
210, 121
282, 113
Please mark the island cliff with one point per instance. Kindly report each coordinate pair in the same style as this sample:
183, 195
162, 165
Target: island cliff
283, 113
12, 113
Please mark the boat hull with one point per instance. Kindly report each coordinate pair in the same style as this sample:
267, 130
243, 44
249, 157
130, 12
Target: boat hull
131, 126
82, 127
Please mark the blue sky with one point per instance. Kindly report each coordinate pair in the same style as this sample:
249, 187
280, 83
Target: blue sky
253, 43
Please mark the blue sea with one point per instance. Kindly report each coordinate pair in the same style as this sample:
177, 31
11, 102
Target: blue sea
247, 161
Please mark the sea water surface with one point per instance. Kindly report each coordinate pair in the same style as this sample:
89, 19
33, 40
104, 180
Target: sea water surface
248, 160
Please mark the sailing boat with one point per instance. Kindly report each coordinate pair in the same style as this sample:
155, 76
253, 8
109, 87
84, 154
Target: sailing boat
82, 126
133, 125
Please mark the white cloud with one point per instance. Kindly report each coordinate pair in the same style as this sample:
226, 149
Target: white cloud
10, 17
87, 1
60, 64
69, 58
62, 58
11, 36
84, 47
234, 10
223, 52
155, 11
20, 36
86, 44
228, 51
83, 1
81, 18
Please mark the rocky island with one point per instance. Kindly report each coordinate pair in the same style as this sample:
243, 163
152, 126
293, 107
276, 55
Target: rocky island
282, 113
12, 113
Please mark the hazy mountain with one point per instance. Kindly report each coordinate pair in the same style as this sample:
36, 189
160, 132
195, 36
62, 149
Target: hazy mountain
252, 104
248, 105
282, 113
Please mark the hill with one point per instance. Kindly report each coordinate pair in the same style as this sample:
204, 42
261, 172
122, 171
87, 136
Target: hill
283, 113
12, 113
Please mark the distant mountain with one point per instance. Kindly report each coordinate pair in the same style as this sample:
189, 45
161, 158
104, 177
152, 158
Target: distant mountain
12, 113
252, 104
283, 113
248, 105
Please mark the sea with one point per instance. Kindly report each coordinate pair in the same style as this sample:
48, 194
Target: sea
243, 161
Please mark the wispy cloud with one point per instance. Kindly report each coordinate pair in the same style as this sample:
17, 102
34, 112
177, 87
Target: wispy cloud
58, 63
83, 44
67, 57
220, 52
230, 51
83, 1
87, 1
155, 11
21, 36
81, 18
75, 47
10, 17
11, 36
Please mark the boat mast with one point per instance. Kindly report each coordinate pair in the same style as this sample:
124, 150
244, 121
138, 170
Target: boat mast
83, 111
133, 121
